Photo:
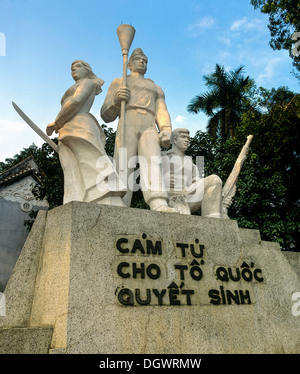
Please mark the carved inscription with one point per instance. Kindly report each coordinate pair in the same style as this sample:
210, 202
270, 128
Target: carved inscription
150, 273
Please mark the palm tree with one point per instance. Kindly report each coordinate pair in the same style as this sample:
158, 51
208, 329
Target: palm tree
224, 102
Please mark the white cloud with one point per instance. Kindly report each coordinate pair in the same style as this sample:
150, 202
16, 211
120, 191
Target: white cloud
224, 40
202, 24
180, 119
269, 70
236, 25
244, 24
12, 127
208, 68
224, 54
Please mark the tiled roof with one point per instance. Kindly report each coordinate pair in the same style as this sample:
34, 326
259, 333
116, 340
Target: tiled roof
22, 169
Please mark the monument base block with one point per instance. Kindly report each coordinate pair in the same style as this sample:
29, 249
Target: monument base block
108, 279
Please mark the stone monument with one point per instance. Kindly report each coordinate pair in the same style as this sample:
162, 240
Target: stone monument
94, 278
100, 279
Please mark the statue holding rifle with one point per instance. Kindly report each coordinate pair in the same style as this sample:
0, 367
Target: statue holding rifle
188, 191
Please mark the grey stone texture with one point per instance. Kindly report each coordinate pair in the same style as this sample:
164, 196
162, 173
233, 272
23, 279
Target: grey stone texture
25, 340
294, 260
76, 284
20, 287
16, 201
13, 235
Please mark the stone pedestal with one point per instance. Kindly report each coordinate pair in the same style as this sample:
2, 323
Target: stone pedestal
106, 279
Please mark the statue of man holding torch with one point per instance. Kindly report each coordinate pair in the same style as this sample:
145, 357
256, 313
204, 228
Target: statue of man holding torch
146, 113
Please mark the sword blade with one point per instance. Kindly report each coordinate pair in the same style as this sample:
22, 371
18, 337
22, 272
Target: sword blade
35, 128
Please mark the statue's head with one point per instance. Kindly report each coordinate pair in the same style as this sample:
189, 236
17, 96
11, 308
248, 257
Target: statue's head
81, 69
180, 138
138, 61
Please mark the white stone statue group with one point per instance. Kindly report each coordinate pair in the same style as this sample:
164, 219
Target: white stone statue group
169, 180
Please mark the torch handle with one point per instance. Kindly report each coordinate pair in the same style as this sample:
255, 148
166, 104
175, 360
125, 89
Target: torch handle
125, 34
123, 102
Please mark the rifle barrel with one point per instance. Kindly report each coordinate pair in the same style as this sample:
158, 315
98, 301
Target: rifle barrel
231, 180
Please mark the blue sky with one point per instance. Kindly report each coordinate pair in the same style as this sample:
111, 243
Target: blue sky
183, 39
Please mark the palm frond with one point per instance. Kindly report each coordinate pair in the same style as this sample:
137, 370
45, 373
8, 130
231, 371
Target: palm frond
224, 101
205, 103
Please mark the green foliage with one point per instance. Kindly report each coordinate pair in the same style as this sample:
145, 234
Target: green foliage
224, 102
268, 197
51, 186
110, 135
284, 20
274, 122
261, 199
